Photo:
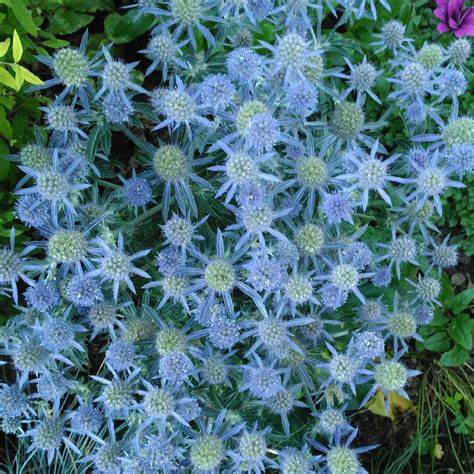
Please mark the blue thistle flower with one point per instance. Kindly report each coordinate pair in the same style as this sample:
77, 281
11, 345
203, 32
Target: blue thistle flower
116, 265
116, 77
136, 191
73, 69
216, 92
224, 332
337, 207
84, 291
301, 98
86, 419
388, 375
170, 261
163, 51
392, 37
369, 344
32, 211
282, 403
43, 296
117, 107
175, 367
263, 381
120, 355
244, 66
459, 51
13, 402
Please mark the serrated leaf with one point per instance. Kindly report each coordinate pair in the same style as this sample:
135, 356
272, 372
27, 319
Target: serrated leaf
454, 357
4, 45
7, 79
460, 331
17, 47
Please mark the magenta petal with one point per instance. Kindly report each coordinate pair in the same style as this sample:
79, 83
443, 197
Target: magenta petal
442, 28
468, 16
466, 28
455, 6
440, 13
453, 24
442, 3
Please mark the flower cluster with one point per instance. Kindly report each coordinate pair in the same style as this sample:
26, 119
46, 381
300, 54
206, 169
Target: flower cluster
222, 267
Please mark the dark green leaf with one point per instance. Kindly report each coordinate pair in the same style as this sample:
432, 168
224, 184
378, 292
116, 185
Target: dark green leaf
65, 22
88, 6
461, 301
5, 126
455, 357
55, 43
4, 164
23, 15
122, 29
460, 331
437, 342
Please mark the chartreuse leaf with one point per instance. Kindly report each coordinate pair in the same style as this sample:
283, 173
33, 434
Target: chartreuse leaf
7, 79
26, 75
17, 47
4, 45
395, 403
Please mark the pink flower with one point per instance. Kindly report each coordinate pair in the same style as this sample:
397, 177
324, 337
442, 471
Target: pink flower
455, 17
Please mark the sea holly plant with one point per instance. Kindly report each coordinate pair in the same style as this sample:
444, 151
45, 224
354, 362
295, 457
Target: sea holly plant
236, 248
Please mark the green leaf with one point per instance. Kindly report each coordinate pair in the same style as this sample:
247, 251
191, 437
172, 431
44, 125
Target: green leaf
4, 45
66, 22
454, 357
447, 292
123, 29
19, 80
17, 47
55, 43
27, 76
7, 79
460, 331
88, 6
5, 126
23, 15
5, 164
439, 319
437, 342
461, 301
